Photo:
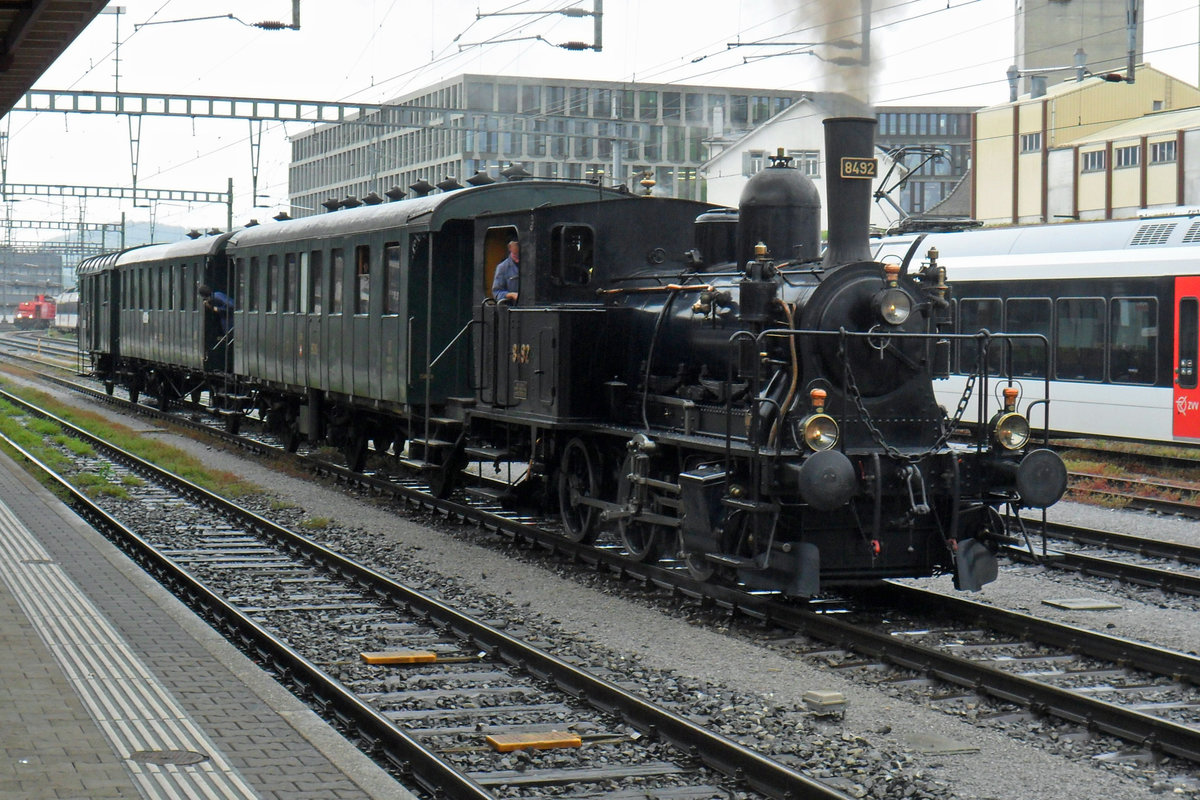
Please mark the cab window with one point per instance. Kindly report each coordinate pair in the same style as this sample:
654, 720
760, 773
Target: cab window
571, 254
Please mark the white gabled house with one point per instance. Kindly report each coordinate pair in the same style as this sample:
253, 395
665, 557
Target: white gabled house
799, 131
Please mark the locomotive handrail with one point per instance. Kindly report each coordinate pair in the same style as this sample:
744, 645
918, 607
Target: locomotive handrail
669, 287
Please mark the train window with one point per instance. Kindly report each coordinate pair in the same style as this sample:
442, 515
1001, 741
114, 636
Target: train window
316, 277
1079, 339
302, 285
571, 248
290, 268
1133, 339
1028, 315
273, 281
976, 314
252, 285
337, 267
391, 277
169, 278
362, 279
239, 280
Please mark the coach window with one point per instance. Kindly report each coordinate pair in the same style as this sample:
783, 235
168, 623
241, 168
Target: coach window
170, 298
391, 277
239, 281
337, 268
362, 279
1133, 339
571, 248
316, 281
302, 285
973, 316
288, 293
273, 282
1079, 339
252, 284
1029, 315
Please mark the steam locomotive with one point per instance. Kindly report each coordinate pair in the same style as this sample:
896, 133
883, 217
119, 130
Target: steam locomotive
701, 382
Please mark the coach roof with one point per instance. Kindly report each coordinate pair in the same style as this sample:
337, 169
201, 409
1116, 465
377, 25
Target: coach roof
429, 213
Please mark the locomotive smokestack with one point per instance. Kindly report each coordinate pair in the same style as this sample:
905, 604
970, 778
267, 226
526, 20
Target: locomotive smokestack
850, 169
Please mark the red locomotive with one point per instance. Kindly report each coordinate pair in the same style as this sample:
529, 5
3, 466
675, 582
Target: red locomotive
35, 313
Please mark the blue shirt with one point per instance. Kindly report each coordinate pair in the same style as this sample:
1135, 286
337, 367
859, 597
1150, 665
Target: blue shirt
506, 280
223, 305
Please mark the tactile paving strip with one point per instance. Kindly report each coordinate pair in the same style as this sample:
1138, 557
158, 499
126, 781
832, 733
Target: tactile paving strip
130, 706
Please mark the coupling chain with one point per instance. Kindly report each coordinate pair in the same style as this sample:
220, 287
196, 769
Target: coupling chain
877, 435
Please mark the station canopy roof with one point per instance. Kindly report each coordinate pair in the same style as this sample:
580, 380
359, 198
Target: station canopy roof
33, 33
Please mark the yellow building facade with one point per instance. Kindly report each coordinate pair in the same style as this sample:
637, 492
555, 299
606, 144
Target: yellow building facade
1082, 150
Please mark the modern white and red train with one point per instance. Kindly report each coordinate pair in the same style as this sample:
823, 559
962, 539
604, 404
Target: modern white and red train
1118, 302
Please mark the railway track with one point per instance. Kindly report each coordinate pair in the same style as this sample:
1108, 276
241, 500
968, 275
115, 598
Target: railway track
1164, 565
1092, 705
1136, 493
35, 347
441, 696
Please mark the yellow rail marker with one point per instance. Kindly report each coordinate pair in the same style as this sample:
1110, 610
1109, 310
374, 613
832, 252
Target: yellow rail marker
507, 742
400, 657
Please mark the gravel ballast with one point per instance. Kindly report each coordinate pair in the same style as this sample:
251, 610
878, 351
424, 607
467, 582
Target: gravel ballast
943, 754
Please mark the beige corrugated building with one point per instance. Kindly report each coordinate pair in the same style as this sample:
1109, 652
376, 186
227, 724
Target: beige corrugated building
1012, 178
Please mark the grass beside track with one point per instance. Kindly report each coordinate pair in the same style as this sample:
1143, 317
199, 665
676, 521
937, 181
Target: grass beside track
47, 442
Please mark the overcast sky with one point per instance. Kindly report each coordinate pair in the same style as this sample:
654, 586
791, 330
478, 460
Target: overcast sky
924, 52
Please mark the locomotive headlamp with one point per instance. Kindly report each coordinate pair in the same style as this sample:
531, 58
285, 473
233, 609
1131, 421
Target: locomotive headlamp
893, 303
819, 430
1011, 430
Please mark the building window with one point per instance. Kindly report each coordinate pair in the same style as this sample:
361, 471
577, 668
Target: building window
1128, 156
531, 99
808, 162
1093, 161
648, 106
507, 98
479, 97
579, 101
752, 162
1161, 152
1031, 142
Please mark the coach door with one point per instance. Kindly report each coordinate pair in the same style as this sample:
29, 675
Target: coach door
1187, 349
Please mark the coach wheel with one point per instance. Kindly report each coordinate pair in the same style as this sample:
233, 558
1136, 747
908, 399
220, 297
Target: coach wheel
109, 386
233, 423
197, 395
579, 478
643, 540
133, 394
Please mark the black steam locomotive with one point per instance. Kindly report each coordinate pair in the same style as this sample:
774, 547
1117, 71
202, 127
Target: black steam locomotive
700, 381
